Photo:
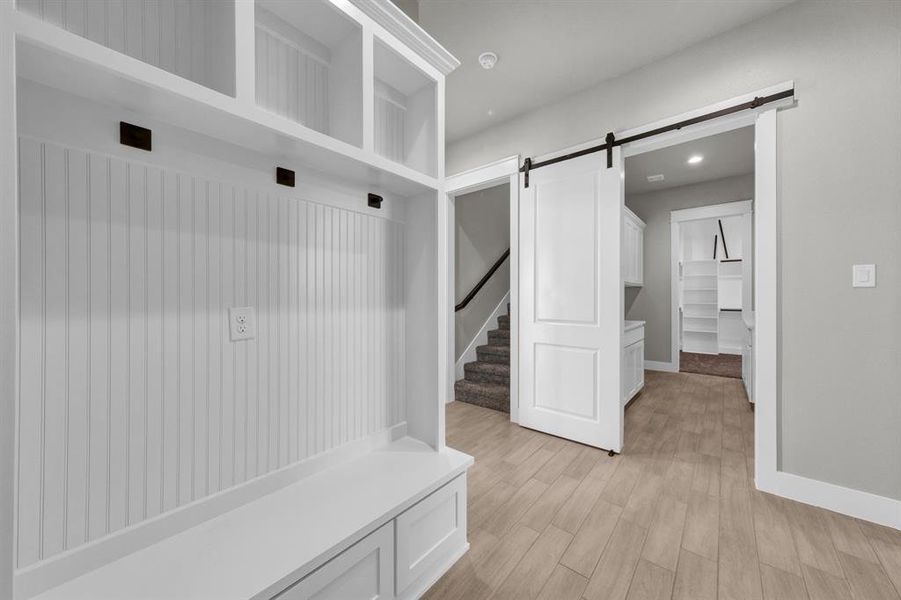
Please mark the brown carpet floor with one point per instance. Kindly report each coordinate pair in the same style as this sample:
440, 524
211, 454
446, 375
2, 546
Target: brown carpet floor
722, 365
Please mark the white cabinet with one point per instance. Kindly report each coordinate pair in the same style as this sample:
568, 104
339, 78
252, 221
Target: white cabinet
633, 360
633, 249
363, 571
401, 559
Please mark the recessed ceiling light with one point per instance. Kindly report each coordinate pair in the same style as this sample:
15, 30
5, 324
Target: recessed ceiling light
490, 112
487, 60
693, 160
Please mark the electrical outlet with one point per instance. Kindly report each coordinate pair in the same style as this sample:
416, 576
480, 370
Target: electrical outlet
863, 276
242, 323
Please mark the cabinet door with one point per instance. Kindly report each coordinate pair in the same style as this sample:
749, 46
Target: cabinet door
362, 572
429, 534
639, 367
633, 370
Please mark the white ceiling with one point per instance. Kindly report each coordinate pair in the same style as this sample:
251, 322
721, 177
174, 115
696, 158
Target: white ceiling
725, 155
550, 49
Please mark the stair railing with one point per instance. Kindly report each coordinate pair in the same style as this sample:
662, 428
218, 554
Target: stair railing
475, 290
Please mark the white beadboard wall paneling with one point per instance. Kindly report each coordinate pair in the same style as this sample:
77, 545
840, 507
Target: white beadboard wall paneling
183, 37
291, 82
390, 120
9, 296
133, 401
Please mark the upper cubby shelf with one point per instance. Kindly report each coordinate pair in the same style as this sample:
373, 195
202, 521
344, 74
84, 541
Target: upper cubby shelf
184, 37
309, 66
347, 88
405, 111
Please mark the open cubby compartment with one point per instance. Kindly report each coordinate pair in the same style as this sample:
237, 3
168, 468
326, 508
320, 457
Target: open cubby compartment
309, 66
693, 310
405, 111
699, 282
700, 342
708, 297
194, 40
700, 324
692, 268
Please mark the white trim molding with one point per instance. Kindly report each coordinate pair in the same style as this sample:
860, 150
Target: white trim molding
480, 338
713, 211
397, 23
855, 503
656, 365
505, 170
482, 177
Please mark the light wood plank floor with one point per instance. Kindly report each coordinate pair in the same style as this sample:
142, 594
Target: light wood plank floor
675, 516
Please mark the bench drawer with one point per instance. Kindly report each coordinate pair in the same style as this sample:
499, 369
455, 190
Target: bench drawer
362, 572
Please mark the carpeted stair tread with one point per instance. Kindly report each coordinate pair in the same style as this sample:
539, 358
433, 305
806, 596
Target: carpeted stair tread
485, 372
493, 353
489, 395
499, 337
486, 381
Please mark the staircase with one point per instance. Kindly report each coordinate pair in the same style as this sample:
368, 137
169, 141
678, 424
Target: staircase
487, 381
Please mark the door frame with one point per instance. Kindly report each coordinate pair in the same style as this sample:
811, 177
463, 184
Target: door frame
740, 208
767, 474
505, 170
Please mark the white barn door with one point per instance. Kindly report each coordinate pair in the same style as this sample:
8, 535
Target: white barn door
571, 300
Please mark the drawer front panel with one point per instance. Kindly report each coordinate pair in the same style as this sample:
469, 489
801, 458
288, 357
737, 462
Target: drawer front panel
632, 336
430, 532
362, 572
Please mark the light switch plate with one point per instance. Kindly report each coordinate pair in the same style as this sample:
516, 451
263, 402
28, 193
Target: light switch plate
863, 276
242, 323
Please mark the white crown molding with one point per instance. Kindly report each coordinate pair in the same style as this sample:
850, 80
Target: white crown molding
405, 29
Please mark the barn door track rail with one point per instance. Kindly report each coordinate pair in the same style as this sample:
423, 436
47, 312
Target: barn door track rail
610, 141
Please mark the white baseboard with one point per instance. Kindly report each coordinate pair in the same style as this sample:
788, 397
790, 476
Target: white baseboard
481, 338
654, 365
855, 503
55, 571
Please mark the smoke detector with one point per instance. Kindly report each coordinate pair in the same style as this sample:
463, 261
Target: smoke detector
655, 178
487, 60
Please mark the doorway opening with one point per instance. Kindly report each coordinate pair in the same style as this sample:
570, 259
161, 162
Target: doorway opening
482, 297
696, 300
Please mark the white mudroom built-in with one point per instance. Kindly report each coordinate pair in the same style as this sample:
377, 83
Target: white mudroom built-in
230, 251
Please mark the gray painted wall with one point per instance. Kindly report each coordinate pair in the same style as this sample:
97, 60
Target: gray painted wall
839, 160
651, 302
482, 235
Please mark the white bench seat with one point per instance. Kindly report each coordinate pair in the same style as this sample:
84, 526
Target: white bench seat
259, 549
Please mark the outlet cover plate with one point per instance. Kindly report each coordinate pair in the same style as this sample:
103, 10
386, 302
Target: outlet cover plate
864, 276
242, 323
